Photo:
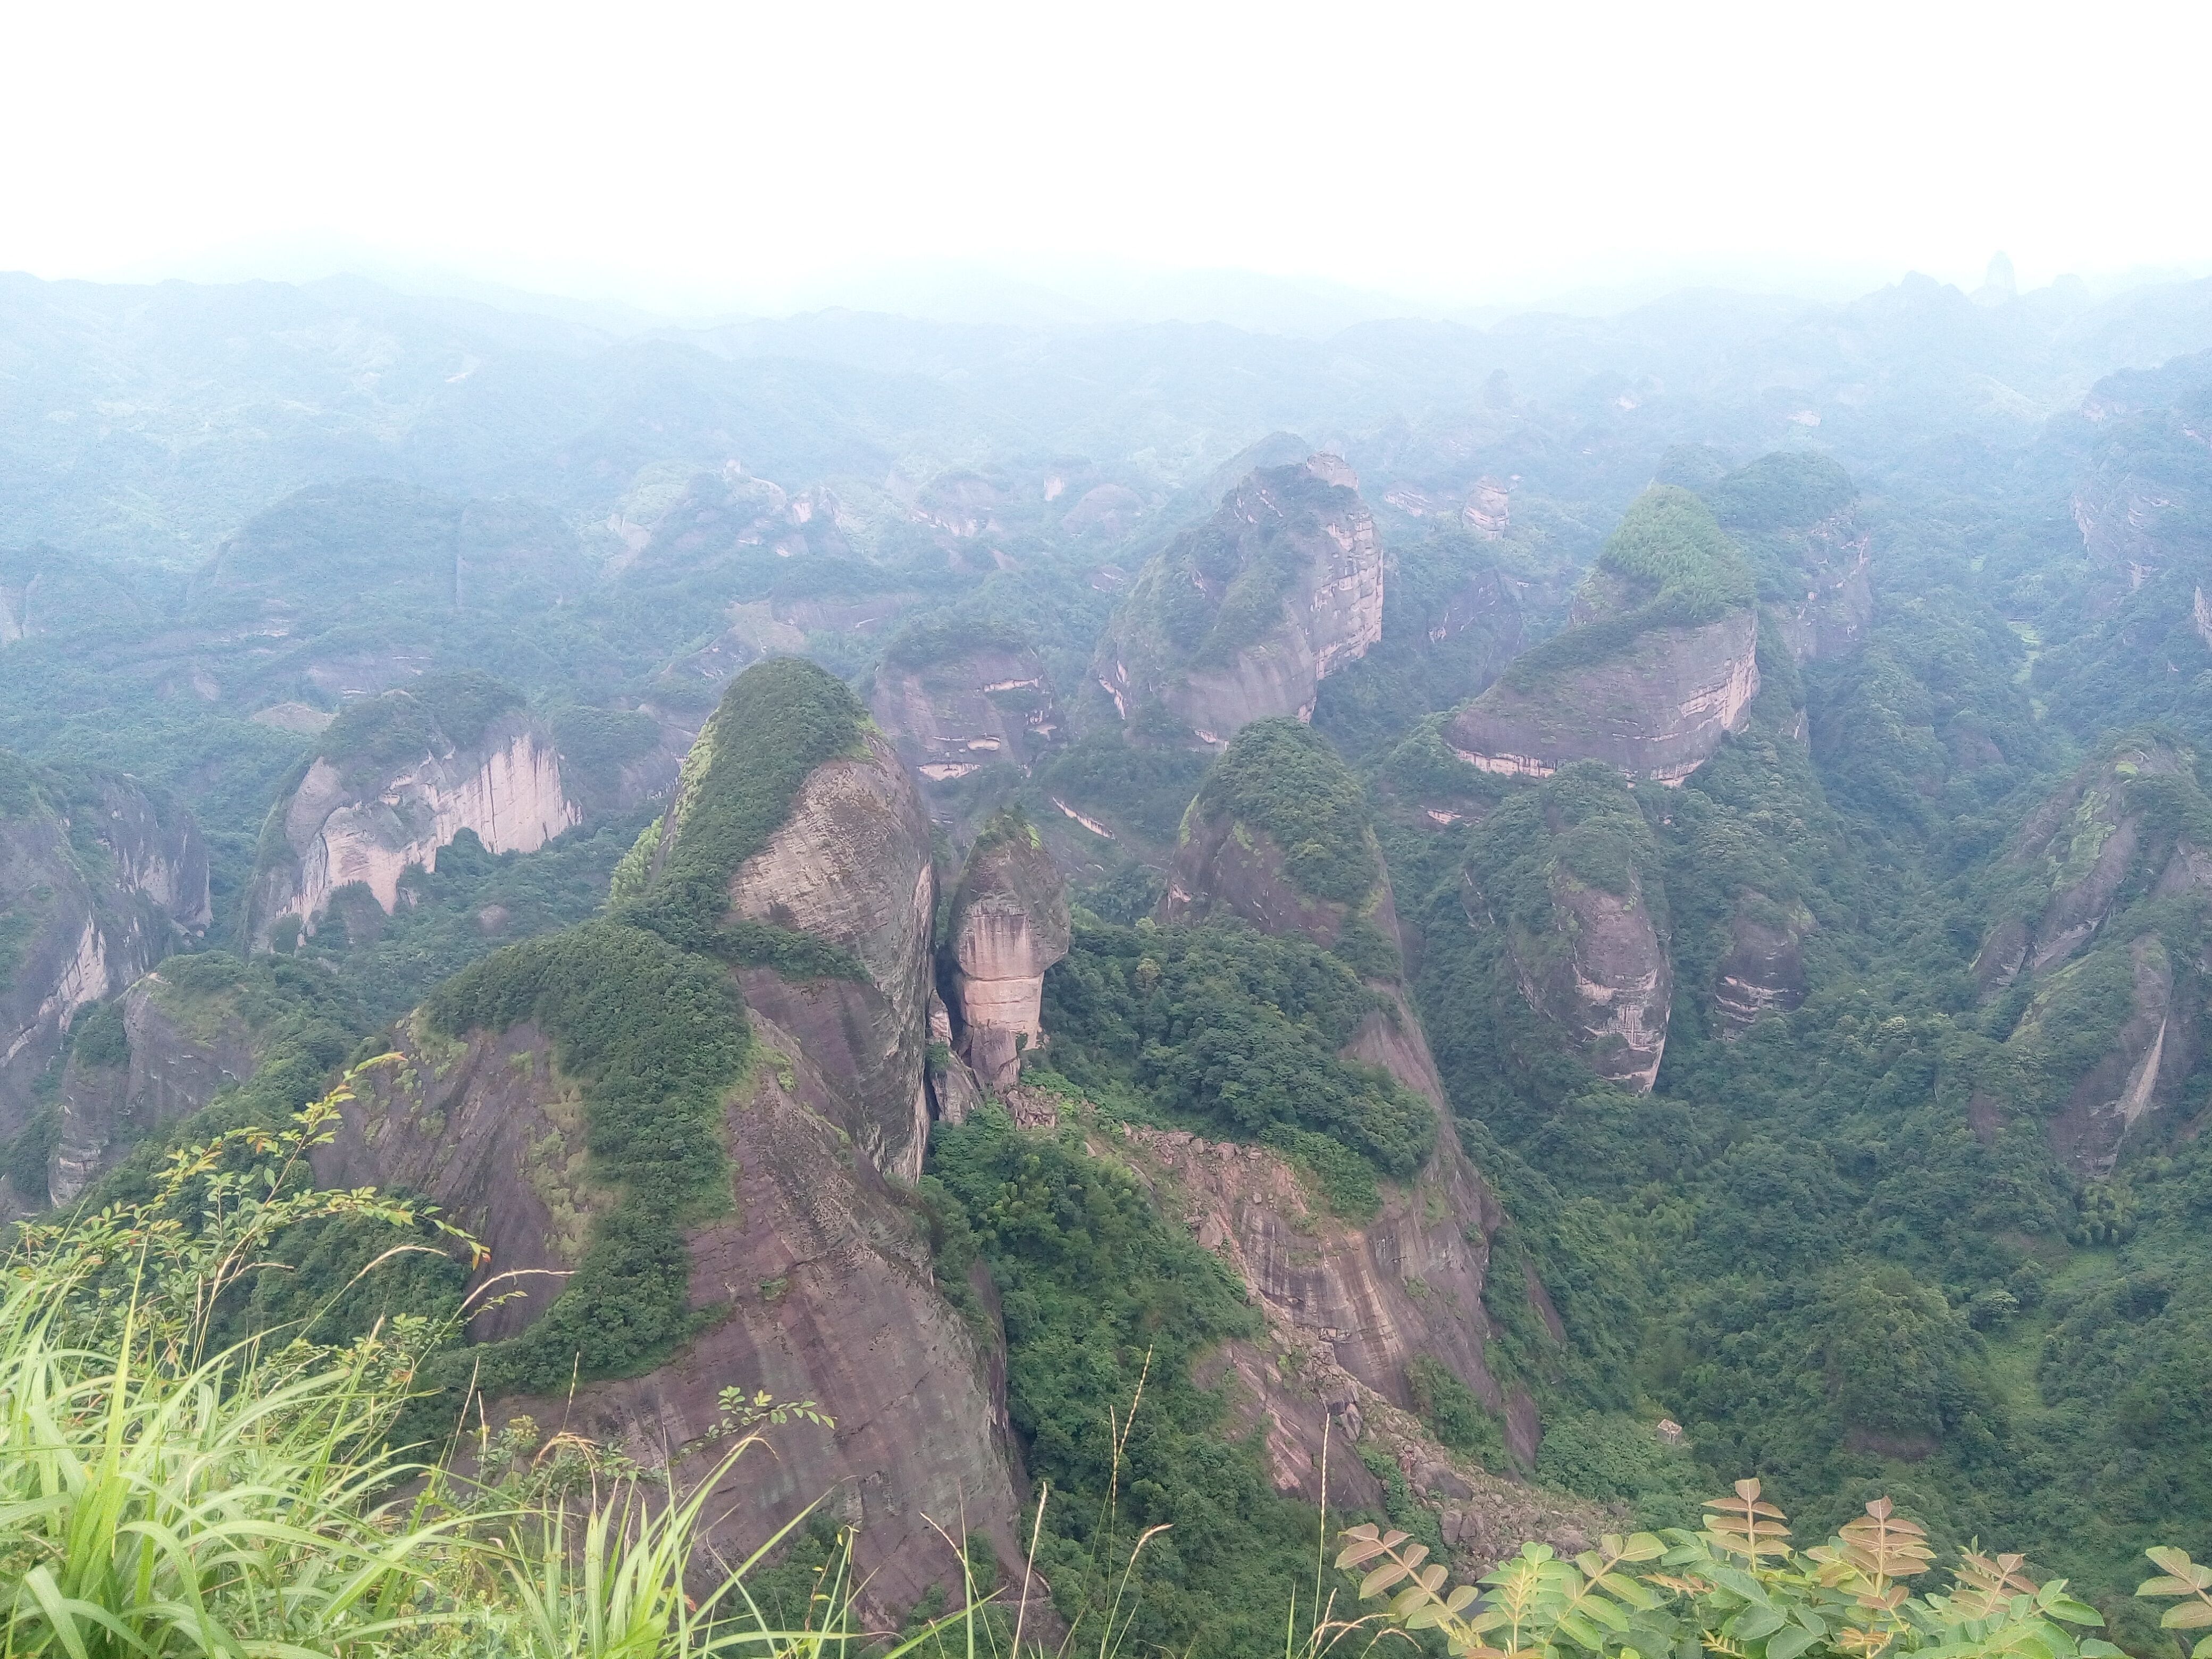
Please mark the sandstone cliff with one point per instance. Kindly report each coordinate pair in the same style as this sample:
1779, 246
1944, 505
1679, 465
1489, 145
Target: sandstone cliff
172, 1049
1348, 1310
1659, 662
394, 779
99, 881
1242, 617
1008, 924
956, 706
815, 1285
2145, 1061
843, 860
1763, 971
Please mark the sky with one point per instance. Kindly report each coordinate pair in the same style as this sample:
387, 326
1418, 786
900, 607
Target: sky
743, 157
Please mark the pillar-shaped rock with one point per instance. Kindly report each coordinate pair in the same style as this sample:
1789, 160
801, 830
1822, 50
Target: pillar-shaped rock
1009, 924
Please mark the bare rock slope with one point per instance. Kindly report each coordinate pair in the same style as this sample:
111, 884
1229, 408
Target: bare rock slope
1242, 617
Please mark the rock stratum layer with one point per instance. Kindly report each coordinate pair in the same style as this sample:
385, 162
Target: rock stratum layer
1660, 661
394, 780
1008, 924
1242, 617
99, 881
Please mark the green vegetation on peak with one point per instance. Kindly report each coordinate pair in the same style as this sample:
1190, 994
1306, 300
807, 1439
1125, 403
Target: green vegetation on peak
372, 736
1790, 489
779, 721
945, 635
1680, 570
1235, 1033
1280, 777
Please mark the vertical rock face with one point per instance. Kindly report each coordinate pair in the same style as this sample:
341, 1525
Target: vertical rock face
172, 1062
1797, 515
818, 1280
2074, 855
1603, 977
1562, 887
1241, 618
955, 714
394, 780
98, 883
2148, 1058
851, 866
1763, 971
1659, 663
1009, 923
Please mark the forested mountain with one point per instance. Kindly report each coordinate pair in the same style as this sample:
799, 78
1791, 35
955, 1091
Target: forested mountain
1539, 919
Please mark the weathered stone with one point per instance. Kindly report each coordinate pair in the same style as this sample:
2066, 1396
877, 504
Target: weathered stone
1009, 923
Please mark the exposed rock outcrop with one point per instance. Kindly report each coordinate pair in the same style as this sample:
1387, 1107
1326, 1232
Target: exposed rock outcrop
177, 1050
1796, 514
819, 1274
847, 868
393, 780
2071, 859
1242, 617
99, 881
1009, 923
1763, 971
954, 710
1659, 664
1564, 879
2148, 1058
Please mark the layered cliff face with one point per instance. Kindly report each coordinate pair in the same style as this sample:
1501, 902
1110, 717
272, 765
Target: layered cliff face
813, 1282
956, 702
392, 780
1008, 924
832, 891
1242, 617
99, 881
1795, 514
1563, 890
1659, 662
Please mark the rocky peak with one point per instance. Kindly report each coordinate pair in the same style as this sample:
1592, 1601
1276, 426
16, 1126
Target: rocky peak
1009, 923
797, 836
394, 779
1240, 619
99, 881
1658, 664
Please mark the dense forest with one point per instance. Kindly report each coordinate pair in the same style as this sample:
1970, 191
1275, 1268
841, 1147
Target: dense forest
1690, 864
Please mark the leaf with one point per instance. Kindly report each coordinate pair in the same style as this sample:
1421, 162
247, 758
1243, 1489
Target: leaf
2189, 1615
2073, 1612
1382, 1578
1753, 1623
1790, 1641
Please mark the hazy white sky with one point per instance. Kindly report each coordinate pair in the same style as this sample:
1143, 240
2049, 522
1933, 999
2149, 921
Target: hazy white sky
731, 153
